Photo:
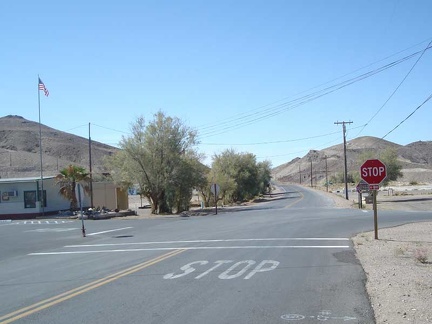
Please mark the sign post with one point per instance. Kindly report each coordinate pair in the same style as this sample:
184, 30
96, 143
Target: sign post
361, 188
215, 189
374, 172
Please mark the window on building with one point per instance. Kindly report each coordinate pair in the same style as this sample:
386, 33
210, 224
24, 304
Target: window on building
30, 199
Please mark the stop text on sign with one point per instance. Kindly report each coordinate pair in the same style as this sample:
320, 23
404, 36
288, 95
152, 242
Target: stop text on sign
373, 171
246, 268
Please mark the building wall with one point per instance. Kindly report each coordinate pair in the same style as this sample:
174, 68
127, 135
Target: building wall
122, 199
109, 195
13, 207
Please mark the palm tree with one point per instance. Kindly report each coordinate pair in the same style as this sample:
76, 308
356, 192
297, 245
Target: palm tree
68, 178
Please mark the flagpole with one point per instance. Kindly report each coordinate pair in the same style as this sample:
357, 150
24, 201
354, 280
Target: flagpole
41, 193
91, 173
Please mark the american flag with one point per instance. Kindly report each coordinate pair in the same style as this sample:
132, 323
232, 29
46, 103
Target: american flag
42, 87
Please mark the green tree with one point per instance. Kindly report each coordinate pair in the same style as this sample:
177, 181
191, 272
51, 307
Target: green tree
68, 178
390, 158
160, 158
264, 177
239, 176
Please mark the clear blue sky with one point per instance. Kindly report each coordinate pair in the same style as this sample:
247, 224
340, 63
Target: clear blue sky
229, 69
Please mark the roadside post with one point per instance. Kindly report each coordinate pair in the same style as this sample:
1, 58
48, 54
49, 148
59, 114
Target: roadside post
362, 187
374, 172
81, 211
215, 189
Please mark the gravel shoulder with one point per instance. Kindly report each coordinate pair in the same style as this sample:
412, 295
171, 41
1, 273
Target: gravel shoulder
399, 272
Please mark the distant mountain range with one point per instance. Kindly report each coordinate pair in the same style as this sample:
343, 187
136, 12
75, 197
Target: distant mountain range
20, 157
416, 160
20, 154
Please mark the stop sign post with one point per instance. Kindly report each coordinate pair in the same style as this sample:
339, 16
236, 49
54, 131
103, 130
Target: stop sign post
374, 172
215, 189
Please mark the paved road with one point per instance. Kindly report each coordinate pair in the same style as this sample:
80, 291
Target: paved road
286, 261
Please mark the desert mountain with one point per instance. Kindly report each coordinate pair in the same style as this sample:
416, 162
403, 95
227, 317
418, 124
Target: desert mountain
20, 154
20, 157
416, 160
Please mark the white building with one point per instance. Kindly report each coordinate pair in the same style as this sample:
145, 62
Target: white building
20, 198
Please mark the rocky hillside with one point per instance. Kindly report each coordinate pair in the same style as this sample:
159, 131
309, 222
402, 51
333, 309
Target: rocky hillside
20, 157
416, 159
20, 154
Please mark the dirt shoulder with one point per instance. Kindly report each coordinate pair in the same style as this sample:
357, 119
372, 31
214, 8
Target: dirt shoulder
399, 272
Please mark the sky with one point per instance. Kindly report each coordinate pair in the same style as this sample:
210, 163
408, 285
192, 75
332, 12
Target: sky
266, 77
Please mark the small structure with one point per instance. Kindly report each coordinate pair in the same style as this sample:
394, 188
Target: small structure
109, 195
21, 198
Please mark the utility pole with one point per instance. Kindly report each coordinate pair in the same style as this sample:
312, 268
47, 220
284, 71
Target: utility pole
311, 175
91, 173
345, 156
327, 184
300, 173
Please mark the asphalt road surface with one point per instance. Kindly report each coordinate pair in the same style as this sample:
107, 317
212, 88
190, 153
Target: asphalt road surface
285, 261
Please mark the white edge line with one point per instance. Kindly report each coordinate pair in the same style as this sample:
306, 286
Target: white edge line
113, 230
201, 248
213, 241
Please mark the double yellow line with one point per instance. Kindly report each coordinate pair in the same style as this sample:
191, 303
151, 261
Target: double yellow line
297, 201
26, 311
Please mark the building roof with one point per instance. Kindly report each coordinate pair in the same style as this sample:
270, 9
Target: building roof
29, 179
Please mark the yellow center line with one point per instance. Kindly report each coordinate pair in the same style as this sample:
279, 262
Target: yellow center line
26, 311
295, 202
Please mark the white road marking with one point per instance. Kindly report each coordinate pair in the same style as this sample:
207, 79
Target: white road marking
44, 230
201, 248
217, 265
40, 222
109, 231
231, 273
247, 265
322, 316
209, 241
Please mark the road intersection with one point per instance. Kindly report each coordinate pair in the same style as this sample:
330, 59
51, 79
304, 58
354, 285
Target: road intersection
265, 264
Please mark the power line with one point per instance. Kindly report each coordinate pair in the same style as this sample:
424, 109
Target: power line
397, 88
278, 109
274, 142
242, 115
280, 141
409, 116
115, 130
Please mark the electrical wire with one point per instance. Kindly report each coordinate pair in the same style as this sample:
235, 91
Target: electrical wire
241, 115
409, 116
115, 130
273, 142
278, 109
397, 88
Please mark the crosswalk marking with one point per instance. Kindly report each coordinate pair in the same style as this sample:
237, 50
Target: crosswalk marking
40, 222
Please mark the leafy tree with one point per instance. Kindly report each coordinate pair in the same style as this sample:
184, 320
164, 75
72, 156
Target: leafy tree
161, 159
239, 176
390, 158
264, 176
68, 178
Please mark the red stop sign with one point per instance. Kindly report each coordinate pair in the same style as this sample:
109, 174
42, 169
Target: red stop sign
373, 171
